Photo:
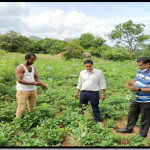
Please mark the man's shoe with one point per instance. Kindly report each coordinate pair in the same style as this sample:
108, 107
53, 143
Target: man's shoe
124, 130
101, 125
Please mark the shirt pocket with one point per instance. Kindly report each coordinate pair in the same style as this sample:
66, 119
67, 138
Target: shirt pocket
84, 79
95, 79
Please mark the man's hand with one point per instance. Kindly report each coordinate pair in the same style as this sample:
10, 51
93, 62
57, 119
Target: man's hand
130, 83
38, 84
76, 95
132, 88
43, 85
103, 97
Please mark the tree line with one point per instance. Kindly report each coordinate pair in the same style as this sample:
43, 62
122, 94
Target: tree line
130, 44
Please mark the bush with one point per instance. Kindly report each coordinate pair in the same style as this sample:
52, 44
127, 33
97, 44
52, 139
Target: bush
21, 50
116, 55
2, 52
96, 51
73, 50
133, 55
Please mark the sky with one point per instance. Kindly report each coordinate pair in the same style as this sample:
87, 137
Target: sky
61, 20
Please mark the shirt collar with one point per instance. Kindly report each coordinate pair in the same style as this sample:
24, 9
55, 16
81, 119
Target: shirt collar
92, 70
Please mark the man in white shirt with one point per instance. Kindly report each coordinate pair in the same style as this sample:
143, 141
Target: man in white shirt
90, 82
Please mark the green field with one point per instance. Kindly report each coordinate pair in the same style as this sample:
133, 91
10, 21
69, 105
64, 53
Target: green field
56, 114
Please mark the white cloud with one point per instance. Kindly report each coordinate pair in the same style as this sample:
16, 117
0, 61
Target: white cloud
10, 16
58, 24
73, 24
2, 4
13, 9
23, 5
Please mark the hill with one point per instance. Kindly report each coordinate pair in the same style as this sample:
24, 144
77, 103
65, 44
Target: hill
36, 38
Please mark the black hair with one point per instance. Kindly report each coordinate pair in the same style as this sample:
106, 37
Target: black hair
28, 55
88, 61
144, 60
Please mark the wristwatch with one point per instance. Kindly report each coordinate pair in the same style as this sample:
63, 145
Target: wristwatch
103, 94
139, 89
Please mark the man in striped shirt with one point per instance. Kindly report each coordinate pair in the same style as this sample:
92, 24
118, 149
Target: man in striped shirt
142, 103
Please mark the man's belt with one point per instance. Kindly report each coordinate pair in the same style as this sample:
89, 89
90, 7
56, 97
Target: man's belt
90, 91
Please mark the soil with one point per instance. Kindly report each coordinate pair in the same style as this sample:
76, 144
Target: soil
7, 96
121, 124
135, 129
67, 142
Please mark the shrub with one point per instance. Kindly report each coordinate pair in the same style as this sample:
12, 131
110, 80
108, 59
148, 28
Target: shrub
133, 55
73, 50
116, 55
96, 51
2, 52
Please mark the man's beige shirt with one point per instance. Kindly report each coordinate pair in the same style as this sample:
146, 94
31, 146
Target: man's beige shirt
94, 81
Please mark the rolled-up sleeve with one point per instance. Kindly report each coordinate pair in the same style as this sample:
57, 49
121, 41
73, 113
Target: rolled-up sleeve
79, 83
102, 81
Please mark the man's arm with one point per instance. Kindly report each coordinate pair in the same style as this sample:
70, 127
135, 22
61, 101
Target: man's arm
102, 82
136, 89
37, 79
19, 75
133, 81
103, 86
77, 93
78, 87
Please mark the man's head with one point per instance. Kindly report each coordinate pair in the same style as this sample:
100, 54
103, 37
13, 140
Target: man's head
143, 63
88, 64
30, 58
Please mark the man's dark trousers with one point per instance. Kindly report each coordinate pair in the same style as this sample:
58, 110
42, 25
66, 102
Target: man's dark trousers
93, 97
135, 109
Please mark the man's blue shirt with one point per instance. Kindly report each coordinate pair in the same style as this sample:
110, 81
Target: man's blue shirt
143, 81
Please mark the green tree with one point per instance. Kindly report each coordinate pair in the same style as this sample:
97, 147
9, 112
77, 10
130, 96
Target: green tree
96, 51
58, 46
14, 42
12, 36
7, 41
53, 46
87, 40
146, 50
46, 45
22, 44
99, 41
129, 35
73, 50
36, 47
77, 41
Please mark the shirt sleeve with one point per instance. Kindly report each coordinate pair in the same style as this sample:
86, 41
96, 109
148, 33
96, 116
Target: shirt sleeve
137, 74
102, 81
79, 83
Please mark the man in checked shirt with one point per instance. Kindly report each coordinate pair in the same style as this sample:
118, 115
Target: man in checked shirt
90, 82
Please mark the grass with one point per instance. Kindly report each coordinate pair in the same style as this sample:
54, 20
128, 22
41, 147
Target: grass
62, 78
